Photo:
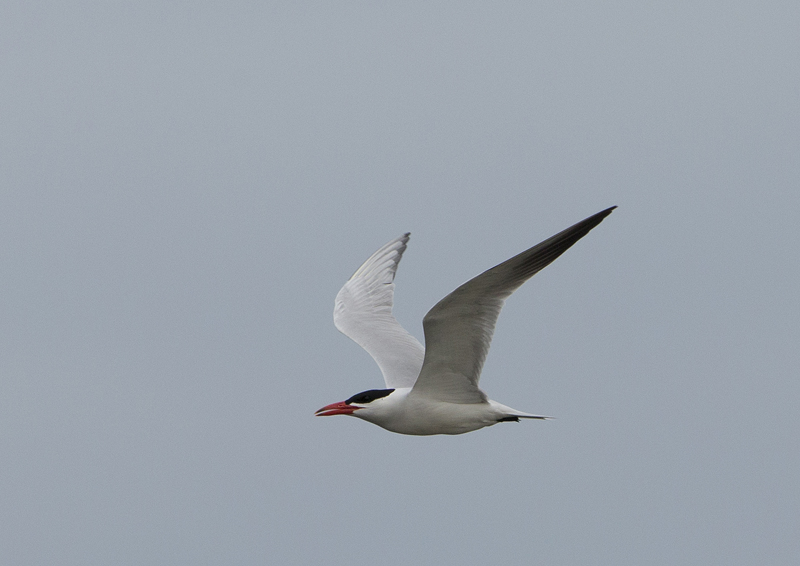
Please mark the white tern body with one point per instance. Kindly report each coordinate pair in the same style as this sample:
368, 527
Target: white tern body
434, 390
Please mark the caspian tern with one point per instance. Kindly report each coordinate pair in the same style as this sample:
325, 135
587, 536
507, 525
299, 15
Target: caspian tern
434, 390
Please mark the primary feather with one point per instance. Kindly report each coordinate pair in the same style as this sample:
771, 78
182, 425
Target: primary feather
363, 312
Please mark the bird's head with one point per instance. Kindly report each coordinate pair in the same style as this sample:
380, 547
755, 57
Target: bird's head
366, 400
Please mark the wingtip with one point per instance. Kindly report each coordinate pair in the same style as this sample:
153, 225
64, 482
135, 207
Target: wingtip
596, 218
607, 211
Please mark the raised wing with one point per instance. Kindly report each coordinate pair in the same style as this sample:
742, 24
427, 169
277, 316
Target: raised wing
363, 312
459, 328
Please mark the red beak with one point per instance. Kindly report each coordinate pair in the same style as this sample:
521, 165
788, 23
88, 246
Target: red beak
340, 408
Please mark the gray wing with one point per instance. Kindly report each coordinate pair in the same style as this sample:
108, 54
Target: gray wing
363, 312
459, 328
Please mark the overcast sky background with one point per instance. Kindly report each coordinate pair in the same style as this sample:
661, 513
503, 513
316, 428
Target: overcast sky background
186, 186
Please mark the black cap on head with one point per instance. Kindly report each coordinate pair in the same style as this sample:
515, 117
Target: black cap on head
368, 396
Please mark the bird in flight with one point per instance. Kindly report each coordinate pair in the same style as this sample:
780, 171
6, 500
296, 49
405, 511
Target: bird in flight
434, 390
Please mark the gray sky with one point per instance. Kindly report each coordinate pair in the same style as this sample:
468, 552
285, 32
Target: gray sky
186, 185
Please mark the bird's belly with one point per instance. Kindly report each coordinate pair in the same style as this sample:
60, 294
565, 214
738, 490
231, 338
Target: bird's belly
440, 418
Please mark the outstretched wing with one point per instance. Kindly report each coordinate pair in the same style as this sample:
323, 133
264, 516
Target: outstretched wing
363, 312
459, 328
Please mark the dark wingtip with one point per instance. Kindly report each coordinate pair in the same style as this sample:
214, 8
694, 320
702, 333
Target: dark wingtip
584, 226
603, 213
